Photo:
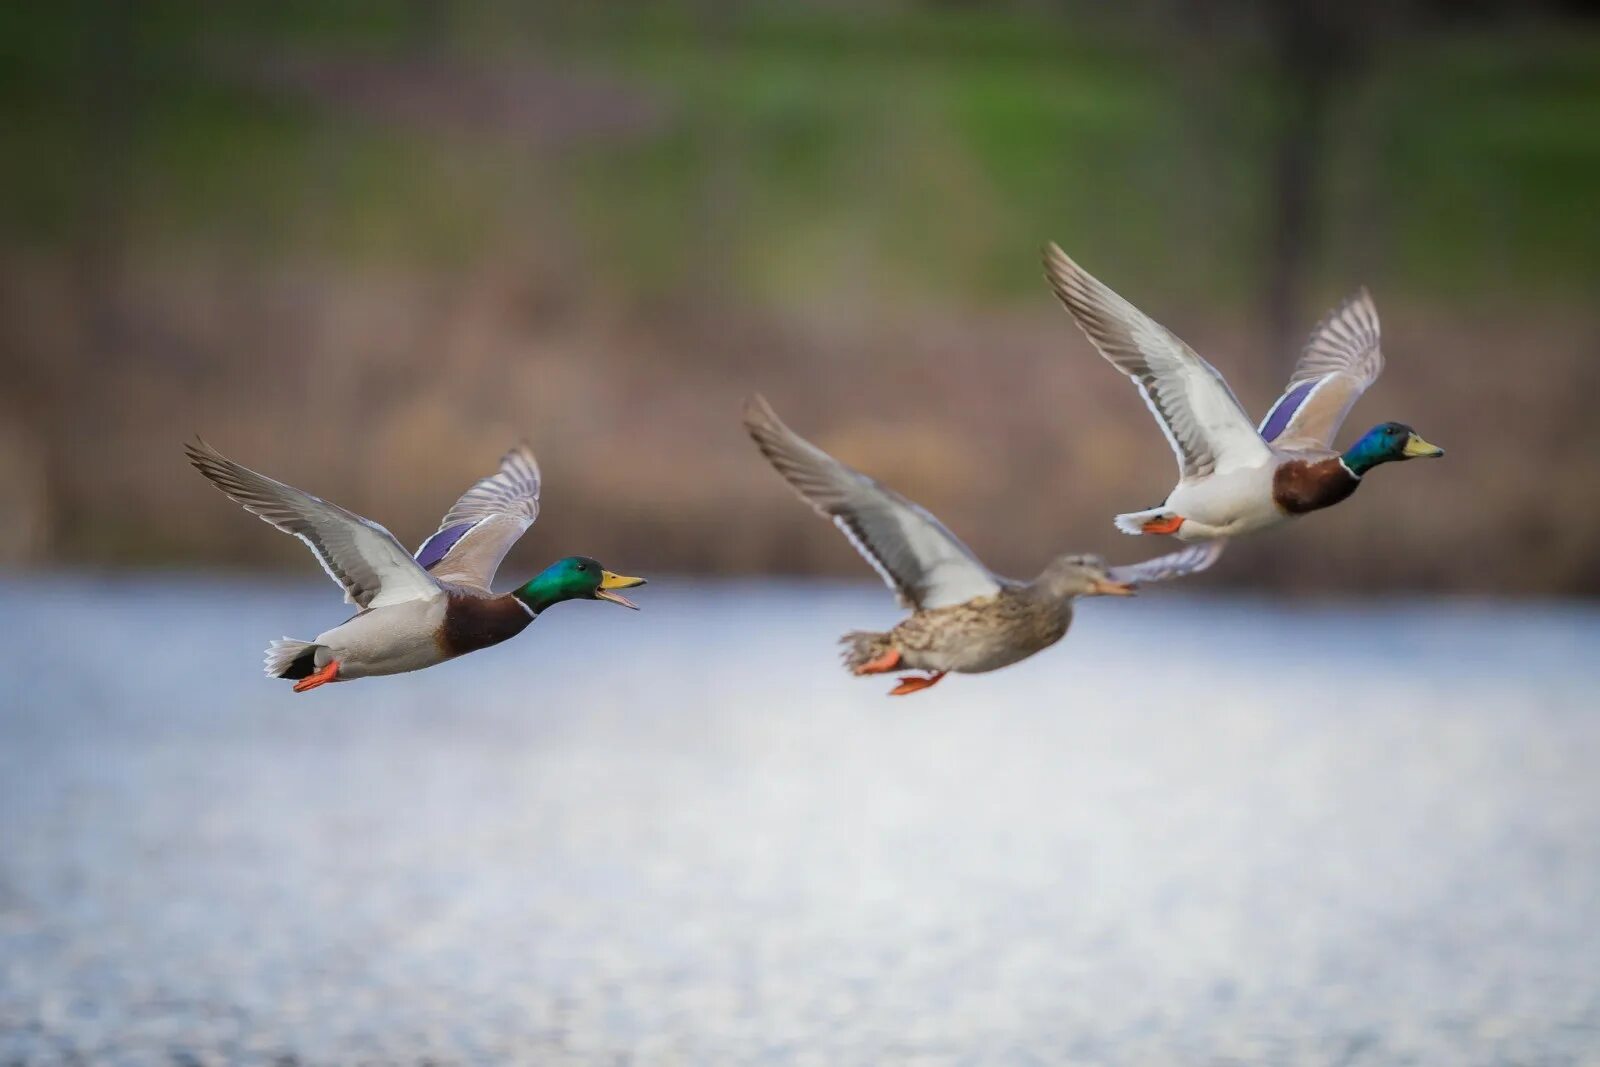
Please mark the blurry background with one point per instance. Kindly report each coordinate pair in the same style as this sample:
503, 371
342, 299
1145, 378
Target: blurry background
362, 247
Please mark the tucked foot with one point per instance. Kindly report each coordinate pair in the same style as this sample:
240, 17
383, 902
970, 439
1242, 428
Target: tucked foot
1166, 524
915, 683
886, 662
325, 674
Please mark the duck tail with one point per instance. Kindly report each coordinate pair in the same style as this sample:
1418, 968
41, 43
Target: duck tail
289, 658
1135, 522
862, 647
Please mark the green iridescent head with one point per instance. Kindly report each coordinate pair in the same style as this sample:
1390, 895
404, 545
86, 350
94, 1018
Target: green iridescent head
1386, 443
575, 578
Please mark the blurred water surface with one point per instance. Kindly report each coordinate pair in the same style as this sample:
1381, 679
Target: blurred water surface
1199, 831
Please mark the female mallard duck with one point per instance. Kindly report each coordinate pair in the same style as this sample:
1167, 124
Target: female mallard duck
415, 612
1236, 478
964, 618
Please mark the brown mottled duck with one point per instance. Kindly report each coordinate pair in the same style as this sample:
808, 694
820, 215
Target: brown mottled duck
964, 618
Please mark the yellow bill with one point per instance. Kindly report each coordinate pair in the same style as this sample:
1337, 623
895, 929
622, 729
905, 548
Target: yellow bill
1416, 446
609, 583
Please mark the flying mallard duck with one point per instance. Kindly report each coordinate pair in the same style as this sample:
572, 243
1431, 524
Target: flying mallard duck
1236, 478
964, 618
415, 612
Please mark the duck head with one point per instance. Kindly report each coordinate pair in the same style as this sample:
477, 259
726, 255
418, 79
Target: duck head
1075, 576
575, 578
1386, 443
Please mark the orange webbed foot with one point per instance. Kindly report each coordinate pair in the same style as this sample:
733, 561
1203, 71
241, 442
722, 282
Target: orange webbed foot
915, 683
886, 662
1167, 524
321, 677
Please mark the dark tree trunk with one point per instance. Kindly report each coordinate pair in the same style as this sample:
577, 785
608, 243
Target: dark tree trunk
1313, 53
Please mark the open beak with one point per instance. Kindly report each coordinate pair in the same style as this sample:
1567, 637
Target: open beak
1416, 446
1107, 587
610, 583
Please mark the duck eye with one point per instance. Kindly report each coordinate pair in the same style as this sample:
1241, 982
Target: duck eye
583, 566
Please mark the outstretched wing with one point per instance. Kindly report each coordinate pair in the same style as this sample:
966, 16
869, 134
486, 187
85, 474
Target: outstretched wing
481, 527
912, 551
374, 569
1191, 560
1207, 428
1340, 361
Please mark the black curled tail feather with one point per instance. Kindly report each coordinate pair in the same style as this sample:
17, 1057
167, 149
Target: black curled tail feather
289, 658
862, 647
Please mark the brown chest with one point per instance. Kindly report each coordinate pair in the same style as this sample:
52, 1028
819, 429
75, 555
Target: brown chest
474, 622
1300, 486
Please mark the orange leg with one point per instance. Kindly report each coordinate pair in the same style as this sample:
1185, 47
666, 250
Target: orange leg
886, 662
1168, 525
915, 683
311, 681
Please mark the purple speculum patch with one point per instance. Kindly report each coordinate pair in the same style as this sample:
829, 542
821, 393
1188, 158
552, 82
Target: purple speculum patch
439, 545
1285, 408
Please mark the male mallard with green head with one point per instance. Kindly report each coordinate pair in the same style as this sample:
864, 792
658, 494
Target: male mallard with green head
415, 611
964, 618
1236, 478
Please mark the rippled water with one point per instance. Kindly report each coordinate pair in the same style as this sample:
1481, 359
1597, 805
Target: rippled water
1196, 832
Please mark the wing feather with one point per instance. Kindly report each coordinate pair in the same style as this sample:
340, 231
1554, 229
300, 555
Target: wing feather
1191, 560
374, 569
480, 528
1203, 421
912, 551
1341, 360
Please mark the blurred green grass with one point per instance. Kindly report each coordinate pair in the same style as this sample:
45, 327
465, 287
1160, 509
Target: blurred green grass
364, 246
925, 147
